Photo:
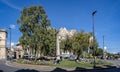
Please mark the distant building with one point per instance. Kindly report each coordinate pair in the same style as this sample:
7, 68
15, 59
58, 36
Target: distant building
3, 36
63, 34
15, 52
19, 51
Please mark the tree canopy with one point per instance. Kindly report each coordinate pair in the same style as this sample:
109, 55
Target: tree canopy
38, 38
79, 43
36, 31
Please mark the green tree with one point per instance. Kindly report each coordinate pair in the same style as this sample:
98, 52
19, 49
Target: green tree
51, 42
93, 44
99, 52
34, 27
66, 45
80, 43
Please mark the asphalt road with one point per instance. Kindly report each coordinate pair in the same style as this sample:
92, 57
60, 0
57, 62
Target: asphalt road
6, 68
115, 63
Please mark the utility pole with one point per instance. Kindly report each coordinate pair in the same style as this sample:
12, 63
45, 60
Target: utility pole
103, 47
10, 36
93, 13
10, 44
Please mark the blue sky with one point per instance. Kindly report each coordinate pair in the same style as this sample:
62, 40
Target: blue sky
72, 14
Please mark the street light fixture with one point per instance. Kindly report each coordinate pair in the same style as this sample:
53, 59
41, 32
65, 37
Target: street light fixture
93, 13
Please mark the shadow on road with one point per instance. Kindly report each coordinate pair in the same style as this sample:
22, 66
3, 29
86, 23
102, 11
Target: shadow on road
77, 69
96, 69
26, 70
1, 70
59, 70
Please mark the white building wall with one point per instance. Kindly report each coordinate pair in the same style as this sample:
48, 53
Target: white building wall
3, 35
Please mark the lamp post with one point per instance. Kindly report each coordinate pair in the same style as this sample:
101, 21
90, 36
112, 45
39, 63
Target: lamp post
103, 46
10, 44
93, 13
10, 36
10, 28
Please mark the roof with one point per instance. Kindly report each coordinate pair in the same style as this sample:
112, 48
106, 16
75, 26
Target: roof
3, 30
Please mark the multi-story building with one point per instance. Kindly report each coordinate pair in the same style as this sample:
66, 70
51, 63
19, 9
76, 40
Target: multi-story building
3, 36
19, 51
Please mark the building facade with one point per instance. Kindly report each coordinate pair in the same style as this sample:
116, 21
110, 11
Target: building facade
19, 51
3, 37
62, 35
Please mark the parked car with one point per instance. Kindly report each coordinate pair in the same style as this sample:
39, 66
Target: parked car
72, 57
26, 57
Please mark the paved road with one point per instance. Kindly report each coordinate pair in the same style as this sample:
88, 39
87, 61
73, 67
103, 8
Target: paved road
7, 68
115, 63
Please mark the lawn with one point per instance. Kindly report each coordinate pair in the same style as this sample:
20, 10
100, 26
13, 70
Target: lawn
67, 63
72, 64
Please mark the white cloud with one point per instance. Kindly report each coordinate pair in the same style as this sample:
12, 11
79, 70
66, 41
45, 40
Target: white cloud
12, 26
12, 43
11, 5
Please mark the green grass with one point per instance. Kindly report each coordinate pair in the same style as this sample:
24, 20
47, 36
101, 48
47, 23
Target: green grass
72, 64
67, 63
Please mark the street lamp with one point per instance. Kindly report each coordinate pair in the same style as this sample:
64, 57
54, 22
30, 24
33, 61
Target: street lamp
10, 44
103, 46
10, 28
10, 36
93, 13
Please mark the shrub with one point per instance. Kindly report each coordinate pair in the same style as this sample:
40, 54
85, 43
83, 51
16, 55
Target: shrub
24, 61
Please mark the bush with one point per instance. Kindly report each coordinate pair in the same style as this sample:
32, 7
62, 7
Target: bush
100, 62
24, 61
